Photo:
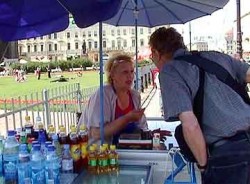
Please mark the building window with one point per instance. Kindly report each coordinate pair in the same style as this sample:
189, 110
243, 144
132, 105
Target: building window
83, 34
149, 30
90, 45
95, 33
124, 32
104, 44
89, 33
119, 44
141, 30
41, 48
76, 45
68, 46
113, 43
50, 47
142, 42
133, 31
112, 32
35, 48
49, 36
125, 43
118, 32
103, 33
68, 34
95, 44
55, 35
28, 48
133, 43
55, 46
20, 50
41, 37
35, 38
76, 35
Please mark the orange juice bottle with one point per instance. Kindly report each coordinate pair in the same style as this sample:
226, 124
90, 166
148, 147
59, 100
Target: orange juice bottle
113, 158
84, 155
92, 160
102, 160
75, 150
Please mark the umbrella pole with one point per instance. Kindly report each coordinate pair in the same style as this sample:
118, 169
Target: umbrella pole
136, 12
101, 85
190, 37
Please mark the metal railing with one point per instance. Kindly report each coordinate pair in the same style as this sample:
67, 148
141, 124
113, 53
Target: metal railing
56, 106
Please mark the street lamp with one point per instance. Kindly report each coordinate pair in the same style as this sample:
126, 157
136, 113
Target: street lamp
239, 33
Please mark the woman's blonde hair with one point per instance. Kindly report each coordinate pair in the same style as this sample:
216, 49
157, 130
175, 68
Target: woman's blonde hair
113, 62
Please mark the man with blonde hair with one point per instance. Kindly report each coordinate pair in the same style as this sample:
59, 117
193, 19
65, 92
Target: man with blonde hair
222, 147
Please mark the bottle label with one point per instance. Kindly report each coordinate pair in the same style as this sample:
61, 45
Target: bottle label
75, 152
10, 170
67, 165
103, 162
112, 161
92, 162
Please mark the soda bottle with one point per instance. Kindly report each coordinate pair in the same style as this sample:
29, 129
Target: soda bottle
83, 134
24, 172
52, 166
63, 138
38, 125
42, 139
113, 158
67, 161
102, 160
92, 160
75, 150
84, 155
10, 158
28, 127
37, 166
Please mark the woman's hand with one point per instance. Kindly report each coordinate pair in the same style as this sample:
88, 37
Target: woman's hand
134, 115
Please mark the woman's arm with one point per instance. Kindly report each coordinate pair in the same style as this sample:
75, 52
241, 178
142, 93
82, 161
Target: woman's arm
117, 125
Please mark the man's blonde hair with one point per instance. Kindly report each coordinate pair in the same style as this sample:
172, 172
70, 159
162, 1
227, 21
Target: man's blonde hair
113, 62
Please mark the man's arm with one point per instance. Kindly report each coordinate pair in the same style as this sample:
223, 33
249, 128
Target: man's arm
194, 137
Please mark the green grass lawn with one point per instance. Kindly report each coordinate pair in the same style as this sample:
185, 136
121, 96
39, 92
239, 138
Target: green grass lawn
10, 88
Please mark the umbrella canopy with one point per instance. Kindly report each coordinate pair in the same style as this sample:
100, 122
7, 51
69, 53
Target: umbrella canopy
150, 13
22, 19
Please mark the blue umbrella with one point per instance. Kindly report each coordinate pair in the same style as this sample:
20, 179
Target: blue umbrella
150, 13
22, 19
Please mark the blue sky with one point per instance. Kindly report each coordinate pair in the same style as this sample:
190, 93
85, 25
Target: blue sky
217, 24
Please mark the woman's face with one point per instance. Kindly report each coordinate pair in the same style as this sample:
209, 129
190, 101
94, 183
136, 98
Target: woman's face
123, 75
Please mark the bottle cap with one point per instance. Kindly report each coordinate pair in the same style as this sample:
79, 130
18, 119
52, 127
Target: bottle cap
92, 148
36, 147
51, 129
62, 129
27, 118
73, 129
11, 132
83, 127
112, 147
51, 148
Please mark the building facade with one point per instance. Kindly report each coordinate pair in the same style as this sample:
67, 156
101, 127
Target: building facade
75, 42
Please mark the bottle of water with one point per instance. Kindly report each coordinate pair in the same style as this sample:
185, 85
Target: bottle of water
10, 158
52, 166
42, 140
67, 160
24, 172
37, 165
1, 158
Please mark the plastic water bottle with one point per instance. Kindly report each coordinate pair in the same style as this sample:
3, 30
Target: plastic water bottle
52, 166
24, 172
37, 165
42, 140
67, 161
1, 158
10, 158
